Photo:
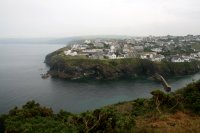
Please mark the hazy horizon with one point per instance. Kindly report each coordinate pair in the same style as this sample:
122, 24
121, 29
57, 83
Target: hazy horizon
75, 18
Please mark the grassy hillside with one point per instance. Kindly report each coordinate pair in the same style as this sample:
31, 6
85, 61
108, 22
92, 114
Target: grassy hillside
173, 112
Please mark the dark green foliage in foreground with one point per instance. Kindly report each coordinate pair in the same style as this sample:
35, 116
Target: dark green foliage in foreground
32, 118
119, 118
104, 120
187, 98
191, 95
141, 106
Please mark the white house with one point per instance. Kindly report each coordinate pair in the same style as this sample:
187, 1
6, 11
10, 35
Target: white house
147, 55
75, 46
73, 53
187, 58
112, 49
198, 54
158, 57
177, 59
87, 42
112, 56
69, 52
156, 49
194, 55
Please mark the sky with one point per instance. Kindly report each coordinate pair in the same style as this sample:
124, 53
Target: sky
66, 18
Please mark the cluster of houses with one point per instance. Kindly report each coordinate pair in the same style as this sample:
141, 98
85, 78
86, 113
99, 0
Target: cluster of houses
153, 56
184, 58
139, 47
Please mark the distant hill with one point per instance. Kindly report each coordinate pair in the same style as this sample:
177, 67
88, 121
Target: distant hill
63, 40
36, 40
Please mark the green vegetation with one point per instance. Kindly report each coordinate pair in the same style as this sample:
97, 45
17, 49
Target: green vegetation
69, 67
163, 112
179, 50
32, 118
196, 46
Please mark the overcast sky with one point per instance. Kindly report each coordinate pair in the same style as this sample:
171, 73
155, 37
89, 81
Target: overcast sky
62, 18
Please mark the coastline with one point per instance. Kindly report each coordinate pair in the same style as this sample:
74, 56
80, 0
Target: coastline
69, 68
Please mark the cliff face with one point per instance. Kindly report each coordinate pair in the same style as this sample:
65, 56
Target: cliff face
73, 68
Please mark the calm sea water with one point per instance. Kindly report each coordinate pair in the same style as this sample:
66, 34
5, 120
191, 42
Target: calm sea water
20, 81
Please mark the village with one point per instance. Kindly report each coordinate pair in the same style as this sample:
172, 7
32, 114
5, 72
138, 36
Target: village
168, 48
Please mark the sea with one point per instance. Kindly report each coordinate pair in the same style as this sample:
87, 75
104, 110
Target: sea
21, 66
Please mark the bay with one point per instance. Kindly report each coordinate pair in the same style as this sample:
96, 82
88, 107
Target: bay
20, 81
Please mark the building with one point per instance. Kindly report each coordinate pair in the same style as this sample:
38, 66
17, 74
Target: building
98, 44
148, 55
139, 48
112, 49
69, 52
156, 49
87, 41
92, 50
75, 46
177, 59
158, 57
112, 56
126, 48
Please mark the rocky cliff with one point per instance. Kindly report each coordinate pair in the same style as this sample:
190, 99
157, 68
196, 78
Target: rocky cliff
74, 68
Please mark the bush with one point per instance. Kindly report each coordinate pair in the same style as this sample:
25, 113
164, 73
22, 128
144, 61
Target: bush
191, 94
